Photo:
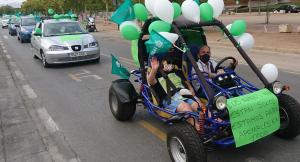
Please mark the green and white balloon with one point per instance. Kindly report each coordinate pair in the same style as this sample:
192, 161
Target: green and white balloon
177, 10
190, 10
140, 12
270, 72
130, 32
159, 26
206, 12
164, 10
238, 27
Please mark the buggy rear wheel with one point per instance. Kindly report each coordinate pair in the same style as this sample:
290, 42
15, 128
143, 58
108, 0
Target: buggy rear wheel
184, 144
289, 110
121, 111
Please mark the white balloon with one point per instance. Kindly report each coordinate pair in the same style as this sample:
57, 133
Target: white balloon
150, 6
133, 23
218, 6
246, 41
172, 37
228, 28
270, 72
164, 10
190, 10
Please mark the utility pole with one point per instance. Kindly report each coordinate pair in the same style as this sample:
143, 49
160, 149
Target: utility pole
268, 12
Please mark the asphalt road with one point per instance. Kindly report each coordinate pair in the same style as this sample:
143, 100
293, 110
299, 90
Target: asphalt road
76, 97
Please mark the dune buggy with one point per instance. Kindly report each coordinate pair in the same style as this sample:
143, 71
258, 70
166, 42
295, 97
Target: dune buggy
184, 143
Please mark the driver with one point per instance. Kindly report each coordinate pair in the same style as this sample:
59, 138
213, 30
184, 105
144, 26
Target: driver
177, 103
206, 65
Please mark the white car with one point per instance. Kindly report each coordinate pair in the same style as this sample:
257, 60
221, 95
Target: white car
4, 21
63, 41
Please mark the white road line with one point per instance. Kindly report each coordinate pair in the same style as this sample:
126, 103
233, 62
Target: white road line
29, 92
8, 56
43, 114
5, 36
4, 51
19, 75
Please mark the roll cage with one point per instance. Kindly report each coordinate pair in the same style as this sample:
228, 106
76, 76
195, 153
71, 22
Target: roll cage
177, 27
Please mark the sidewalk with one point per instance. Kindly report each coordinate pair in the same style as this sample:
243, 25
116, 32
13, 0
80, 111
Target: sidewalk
27, 132
265, 41
20, 139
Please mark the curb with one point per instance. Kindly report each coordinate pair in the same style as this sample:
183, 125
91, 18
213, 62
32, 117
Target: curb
57, 146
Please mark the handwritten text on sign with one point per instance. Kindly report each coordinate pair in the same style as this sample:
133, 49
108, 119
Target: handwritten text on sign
253, 116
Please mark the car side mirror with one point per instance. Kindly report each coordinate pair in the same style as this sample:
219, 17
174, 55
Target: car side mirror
37, 32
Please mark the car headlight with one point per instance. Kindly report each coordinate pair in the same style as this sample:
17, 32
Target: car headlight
57, 48
277, 87
221, 102
93, 44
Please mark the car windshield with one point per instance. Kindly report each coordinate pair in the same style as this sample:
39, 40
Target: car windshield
63, 28
6, 17
28, 22
14, 21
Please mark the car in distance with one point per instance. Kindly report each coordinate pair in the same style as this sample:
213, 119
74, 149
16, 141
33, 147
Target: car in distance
4, 21
63, 41
287, 9
12, 26
24, 30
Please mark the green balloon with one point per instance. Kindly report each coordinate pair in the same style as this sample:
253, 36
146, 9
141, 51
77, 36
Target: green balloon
50, 11
140, 12
206, 12
159, 26
238, 27
177, 9
56, 16
66, 16
130, 32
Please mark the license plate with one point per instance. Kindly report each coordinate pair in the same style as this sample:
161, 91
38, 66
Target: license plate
77, 54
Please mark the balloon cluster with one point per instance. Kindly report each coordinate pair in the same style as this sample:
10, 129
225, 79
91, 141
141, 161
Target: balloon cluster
167, 12
69, 15
238, 29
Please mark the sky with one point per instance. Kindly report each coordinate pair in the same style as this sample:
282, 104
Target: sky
14, 3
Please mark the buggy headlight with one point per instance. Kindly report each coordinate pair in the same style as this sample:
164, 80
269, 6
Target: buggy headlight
221, 102
277, 87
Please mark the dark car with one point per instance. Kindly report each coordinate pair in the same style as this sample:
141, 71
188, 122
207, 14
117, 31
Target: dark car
24, 30
288, 9
13, 23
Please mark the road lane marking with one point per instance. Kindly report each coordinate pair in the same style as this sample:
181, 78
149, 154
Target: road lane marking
43, 114
29, 91
85, 74
4, 51
19, 75
158, 133
8, 56
5, 36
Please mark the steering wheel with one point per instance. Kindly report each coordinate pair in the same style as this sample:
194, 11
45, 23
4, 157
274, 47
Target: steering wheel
232, 65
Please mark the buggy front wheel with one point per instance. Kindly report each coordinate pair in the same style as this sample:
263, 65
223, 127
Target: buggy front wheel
121, 111
289, 110
184, 144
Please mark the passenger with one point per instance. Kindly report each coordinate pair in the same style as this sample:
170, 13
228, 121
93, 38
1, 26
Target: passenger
177, 102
